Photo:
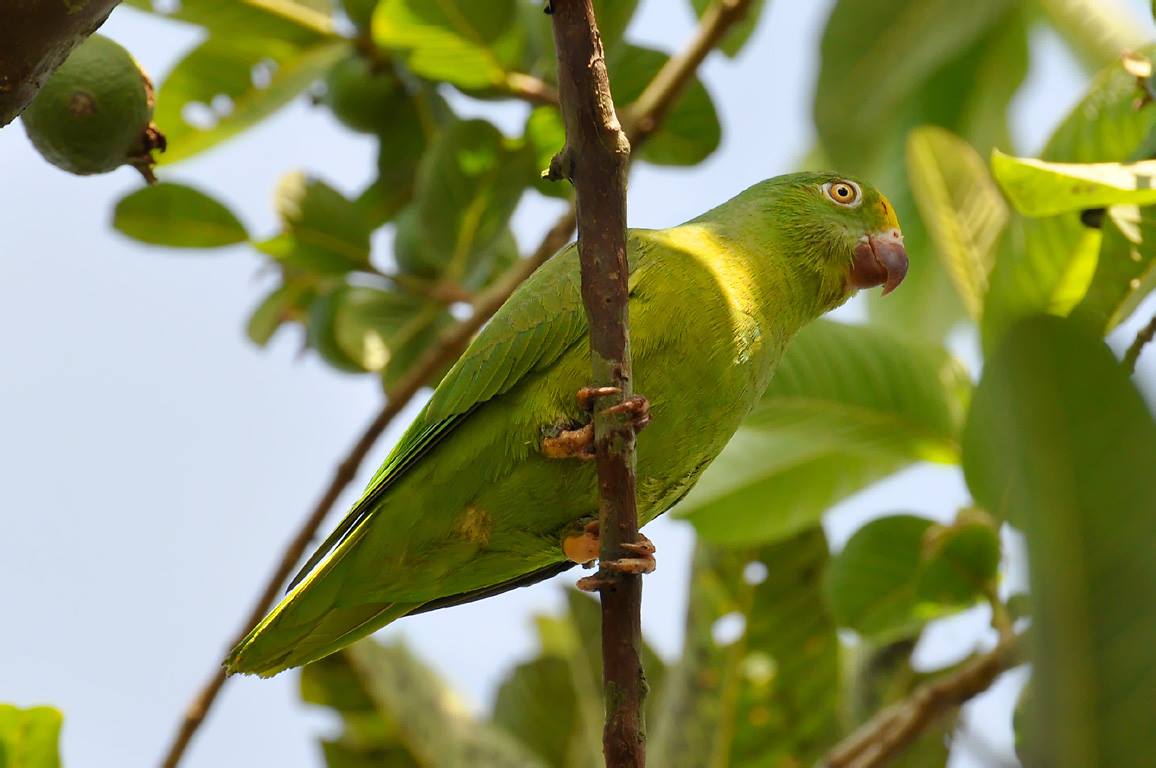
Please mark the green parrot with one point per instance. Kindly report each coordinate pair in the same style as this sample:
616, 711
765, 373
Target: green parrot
487, 489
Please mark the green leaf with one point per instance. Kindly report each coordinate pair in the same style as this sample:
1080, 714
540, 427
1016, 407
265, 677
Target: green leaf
324, 233
286, 303
848, 406
545, 134
1061, 444
398, 713
1124, 270
451, 40
963, 209
758, 681
613, 18
235, 82
468, 185
738, 35
298, 22
359, 329
691, 130
537, 704
898, 572
1039, 188
177, 216
875, 55
29, 737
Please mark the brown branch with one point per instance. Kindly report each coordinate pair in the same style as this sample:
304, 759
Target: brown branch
596, 158
883, 737
712, 27
644, 116
35, 39
1137, 346
531, 89
448, 347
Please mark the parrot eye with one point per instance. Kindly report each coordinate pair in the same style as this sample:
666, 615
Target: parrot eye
843, 192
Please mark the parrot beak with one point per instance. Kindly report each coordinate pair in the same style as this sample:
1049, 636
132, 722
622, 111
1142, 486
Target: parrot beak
879, 259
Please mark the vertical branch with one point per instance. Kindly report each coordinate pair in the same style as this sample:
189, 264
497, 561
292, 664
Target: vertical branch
596, 158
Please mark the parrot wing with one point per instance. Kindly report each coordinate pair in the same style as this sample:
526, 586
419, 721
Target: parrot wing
530, 332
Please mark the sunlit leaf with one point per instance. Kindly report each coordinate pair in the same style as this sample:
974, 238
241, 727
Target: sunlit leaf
1039, 188
228, 84
29, 738
1060, 443
323, 232
177, 216
450, 40
1125, 271
690, 132
848, 406
961, 206
758, 681
288, 20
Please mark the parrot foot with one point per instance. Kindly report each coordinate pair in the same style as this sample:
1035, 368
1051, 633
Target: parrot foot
635, 406
583, 548
570, 444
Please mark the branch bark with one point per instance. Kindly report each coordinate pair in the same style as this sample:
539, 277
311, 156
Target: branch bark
596, 158
35, 39
882, 738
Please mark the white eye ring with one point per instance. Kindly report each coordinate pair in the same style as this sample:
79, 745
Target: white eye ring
836, 192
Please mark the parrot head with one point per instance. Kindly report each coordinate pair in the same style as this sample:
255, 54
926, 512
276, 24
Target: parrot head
849, 231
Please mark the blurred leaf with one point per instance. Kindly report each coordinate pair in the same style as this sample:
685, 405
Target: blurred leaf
545, 134
690, 132
358, 329
287, 302
1124, 269
1095, 31
961, 205
398, 714
739, 33
29, 737
898, 572
468, 184
848, 406
228, 84
287, 20
613, 18
1039, 188
1050, 262
450, 40
177, 216
758, 681
324, 233
875, 55
1061, 444
537, 703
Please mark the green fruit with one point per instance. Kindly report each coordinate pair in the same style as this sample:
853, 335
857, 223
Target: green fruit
362, 99
93, 113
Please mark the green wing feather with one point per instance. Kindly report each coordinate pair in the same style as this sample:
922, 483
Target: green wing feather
530, 332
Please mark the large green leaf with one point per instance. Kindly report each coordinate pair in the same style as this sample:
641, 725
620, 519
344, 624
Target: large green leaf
29, 737
288, 20
848, 406
177, 216
1039, 188
959, 202
457, 41
875, 56
1124, 269
398, 713
691, 130
234, 82
323, 232
1061, 444
898, 572
758, 683
1049, 262
468, 185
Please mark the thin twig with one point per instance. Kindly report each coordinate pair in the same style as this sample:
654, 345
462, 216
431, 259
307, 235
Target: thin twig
1143, 337
448, 347
531, 89
596, 159
711, 29
883, 737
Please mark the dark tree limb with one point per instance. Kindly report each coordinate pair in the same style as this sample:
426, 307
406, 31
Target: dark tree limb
36, 36
1144, 336
596, 158
882, 738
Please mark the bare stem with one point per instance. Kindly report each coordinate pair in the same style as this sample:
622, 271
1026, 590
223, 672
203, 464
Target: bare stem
882, 738
1137, 346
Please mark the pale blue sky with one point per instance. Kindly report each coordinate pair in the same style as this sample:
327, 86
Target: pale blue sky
153, 462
